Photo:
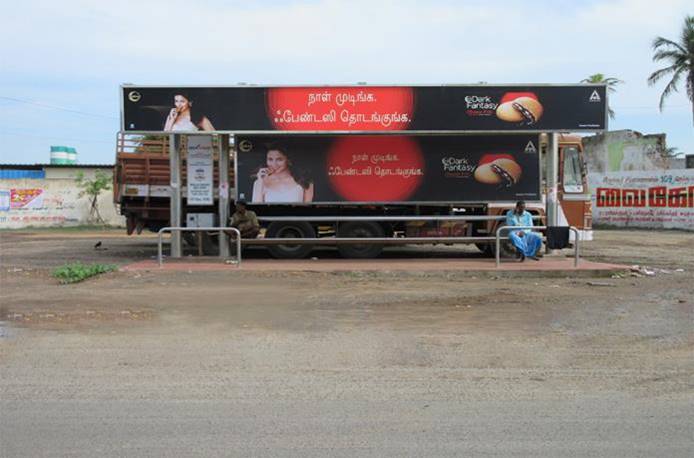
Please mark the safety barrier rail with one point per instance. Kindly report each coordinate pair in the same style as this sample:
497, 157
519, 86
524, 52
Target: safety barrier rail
319, 219
160, 256
357, 240
508, 228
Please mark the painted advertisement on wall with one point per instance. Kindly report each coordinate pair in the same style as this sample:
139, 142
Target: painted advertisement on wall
26, 198
43, 203
387, 169
5, 200
250, 109
645, 199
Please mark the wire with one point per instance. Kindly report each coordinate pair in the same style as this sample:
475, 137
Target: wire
55, 107
636, 107
41, 137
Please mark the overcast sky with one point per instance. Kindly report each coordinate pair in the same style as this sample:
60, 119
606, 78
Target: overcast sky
61, 62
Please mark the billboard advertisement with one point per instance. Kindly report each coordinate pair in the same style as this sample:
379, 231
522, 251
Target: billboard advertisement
382, 109
296, 169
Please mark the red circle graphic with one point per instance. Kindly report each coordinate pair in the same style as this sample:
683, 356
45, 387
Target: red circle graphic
375, 168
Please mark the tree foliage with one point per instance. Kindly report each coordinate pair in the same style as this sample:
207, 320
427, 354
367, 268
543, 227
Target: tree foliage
599, 78
92, 188
679, 57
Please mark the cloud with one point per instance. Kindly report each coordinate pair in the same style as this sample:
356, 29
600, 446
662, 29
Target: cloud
74, 53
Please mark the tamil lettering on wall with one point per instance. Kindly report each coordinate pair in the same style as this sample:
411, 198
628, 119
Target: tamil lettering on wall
655, 199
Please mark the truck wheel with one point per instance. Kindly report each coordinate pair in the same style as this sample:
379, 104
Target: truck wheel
486, 248
288, 230
506, 248
210, 242
189, 238
364, 229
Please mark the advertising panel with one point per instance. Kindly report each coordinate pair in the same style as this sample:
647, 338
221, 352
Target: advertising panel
647, 199
423, 109
296, 169
200, 164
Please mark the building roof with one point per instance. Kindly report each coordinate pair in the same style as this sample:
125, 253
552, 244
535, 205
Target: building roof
57, 166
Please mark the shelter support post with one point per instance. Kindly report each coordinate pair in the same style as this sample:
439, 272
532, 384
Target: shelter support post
175, 185
223, 193
552, 176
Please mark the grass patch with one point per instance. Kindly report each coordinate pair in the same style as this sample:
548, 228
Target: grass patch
76, 272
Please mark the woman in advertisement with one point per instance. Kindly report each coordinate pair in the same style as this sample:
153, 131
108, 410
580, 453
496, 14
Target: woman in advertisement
279, 181
182, 117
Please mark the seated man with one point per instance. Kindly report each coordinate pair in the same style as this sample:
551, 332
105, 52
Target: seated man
245, 221
526, 242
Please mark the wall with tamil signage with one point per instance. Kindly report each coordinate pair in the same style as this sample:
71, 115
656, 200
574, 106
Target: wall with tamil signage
46, 202
645, 199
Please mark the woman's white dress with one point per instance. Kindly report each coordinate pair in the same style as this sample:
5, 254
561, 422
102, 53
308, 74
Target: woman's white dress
292, 194
184, 125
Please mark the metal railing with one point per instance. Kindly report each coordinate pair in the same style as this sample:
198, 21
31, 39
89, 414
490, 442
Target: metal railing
508, 228
160, 257
319, 219
377, 240
359, 240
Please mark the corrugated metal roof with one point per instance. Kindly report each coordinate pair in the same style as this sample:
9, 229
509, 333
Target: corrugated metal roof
57, 166
18, 174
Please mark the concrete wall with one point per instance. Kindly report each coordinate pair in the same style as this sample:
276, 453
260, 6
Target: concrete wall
52, 201
625, 151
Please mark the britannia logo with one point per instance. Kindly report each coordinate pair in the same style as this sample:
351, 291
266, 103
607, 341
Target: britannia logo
245, 146
134, 96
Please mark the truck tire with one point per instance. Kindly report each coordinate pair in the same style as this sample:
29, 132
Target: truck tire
365, 229
210, 242
189, 238
486, 248
506, 248
290, 229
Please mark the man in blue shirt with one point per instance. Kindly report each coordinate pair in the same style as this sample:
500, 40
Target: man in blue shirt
526, 241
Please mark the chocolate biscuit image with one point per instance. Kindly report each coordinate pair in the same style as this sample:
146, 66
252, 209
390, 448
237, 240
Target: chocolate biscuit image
504, 172
523, 110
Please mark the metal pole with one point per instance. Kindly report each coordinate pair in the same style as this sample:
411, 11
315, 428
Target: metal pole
576, 245
173, 230
159, 249
552, 164
175, 176
497, 249
223, 194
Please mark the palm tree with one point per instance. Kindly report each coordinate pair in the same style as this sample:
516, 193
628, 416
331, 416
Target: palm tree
680, 57
672, 151
611, 84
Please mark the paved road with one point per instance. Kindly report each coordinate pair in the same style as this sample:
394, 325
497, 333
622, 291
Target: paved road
351, 364
596, 426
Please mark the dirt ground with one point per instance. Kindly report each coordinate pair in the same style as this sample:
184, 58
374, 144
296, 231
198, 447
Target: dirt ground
347, 363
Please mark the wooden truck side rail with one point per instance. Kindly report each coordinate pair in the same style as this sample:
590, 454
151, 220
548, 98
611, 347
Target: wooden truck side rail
141, 179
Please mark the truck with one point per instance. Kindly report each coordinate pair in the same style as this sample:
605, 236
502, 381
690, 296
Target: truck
391, 165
